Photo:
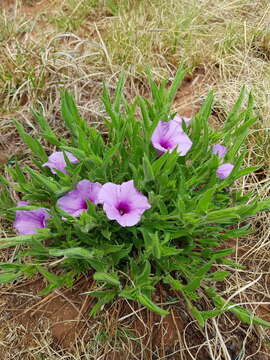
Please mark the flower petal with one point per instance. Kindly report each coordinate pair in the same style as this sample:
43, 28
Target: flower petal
220, 150
109, 194
179, 119
159, 136
126, 190
223, 171
183, 144
89, 190
169, 135
72, 203
123, 203
130, 219
111, 211
139, 201
57, 161
27, 221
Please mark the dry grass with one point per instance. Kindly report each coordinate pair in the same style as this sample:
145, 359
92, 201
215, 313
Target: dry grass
50, 44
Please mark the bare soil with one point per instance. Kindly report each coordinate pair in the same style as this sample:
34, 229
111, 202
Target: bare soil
64, 316
29, 8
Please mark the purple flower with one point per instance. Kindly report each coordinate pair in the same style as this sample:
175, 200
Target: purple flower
179, 119
220, 150
123, 203
168, 136
224, 170
27, 221
57, 161
74, 202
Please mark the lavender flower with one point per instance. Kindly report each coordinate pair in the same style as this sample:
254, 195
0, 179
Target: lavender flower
123, 203
169, 135
57, 161
179, 119
27, 221
224, 170
220, 150
74, 202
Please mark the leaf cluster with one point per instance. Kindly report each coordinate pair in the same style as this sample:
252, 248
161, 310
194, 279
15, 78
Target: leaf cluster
179, 241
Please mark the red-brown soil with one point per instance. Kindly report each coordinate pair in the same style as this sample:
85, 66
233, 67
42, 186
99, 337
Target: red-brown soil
64, 316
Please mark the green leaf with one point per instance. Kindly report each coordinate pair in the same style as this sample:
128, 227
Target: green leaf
42, 122
111, 278
244, 315
246, 171
32, 143
123, 253
110, 153
52, 139
247, 317
244, 127
154, 91
159, 163
145, 301
76, 252
80, 154
197, 315
152, 243
104, 297
55, 280
199, 121
223, 215
108, 106
205, 200
196, 280
145, 114
25, 239
43, 181
211, 313
179, 76
263, 205
234, 233
48, 289
7, 277
128, 293
233, 118
142, 274
19, 174
236, 146
170, 251
174, 283
218, 275
69, 113
119, 92
222, 253
3, 181
147, 169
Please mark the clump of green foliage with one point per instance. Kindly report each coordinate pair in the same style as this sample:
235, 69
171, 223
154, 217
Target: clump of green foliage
179, 241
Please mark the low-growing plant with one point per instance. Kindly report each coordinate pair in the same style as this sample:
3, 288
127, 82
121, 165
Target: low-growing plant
148, 200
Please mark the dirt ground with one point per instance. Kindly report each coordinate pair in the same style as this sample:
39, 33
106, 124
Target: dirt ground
61, 320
